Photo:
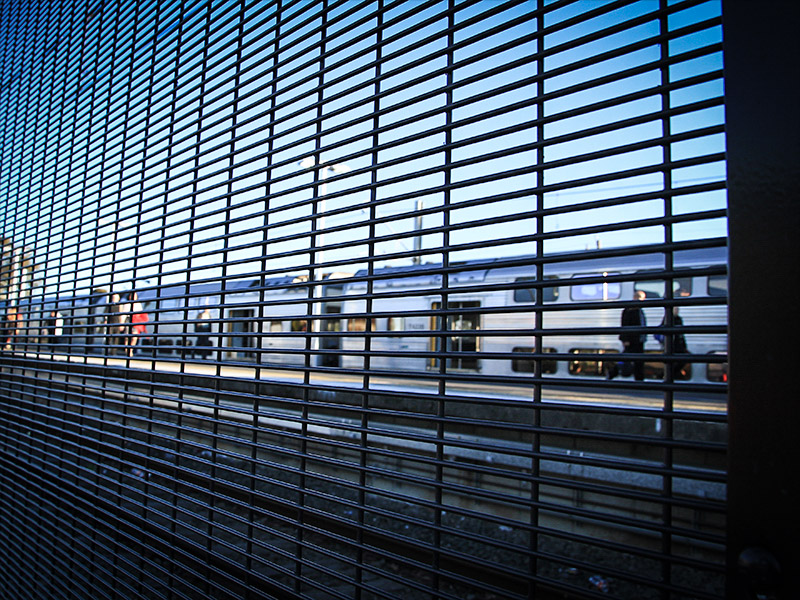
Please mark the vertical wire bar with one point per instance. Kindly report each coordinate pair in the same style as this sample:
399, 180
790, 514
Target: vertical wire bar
538, 342
668, 408
371, 255
46, 212
16, 284
210, 454
232, 327
68, 331
177, 448
95, 328
129, 424
45, 396
92, 287
258, 339
262, 246
182, 346
312, 325
118, 192
444, 305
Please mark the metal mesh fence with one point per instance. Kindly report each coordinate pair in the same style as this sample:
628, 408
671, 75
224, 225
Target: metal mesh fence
362, 299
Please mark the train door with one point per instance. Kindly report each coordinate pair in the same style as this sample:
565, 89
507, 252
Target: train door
240, 329
457, 343
331, 342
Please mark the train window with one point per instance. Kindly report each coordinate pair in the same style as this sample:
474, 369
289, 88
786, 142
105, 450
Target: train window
359, 324
299, 325
275, 326
550, 293
681, 287
332, 324
596, 291
591, 367
523, 364
397, 324
170, 303
718, 285
528, 295
717, 372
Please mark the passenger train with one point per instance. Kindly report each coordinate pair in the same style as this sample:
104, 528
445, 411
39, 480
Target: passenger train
484, 317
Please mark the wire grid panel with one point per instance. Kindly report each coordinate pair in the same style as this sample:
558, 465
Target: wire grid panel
363, 299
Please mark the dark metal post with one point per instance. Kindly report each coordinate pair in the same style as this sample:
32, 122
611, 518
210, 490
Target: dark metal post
763, 137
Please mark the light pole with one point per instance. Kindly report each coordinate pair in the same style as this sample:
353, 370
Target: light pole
418, 229
316, 274
310, 162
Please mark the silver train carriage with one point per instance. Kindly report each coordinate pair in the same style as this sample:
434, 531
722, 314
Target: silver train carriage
495, 318
490, 323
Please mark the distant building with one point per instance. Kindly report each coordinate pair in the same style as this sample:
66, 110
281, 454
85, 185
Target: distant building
17, 271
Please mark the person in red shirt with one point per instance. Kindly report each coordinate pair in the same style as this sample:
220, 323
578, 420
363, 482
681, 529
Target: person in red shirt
10, 328
138, 322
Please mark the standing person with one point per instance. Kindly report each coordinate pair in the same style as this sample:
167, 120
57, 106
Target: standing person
115, 323
53, 329
11, 327
632, 342
4, 331
680, 370
139, 320
203, 330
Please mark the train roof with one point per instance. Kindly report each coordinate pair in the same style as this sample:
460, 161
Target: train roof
470, 271
284, 283
565, 264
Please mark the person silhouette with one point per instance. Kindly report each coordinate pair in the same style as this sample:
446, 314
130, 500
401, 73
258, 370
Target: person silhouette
632, 341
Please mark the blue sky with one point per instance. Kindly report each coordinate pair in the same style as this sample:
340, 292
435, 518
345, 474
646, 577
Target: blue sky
170, 165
